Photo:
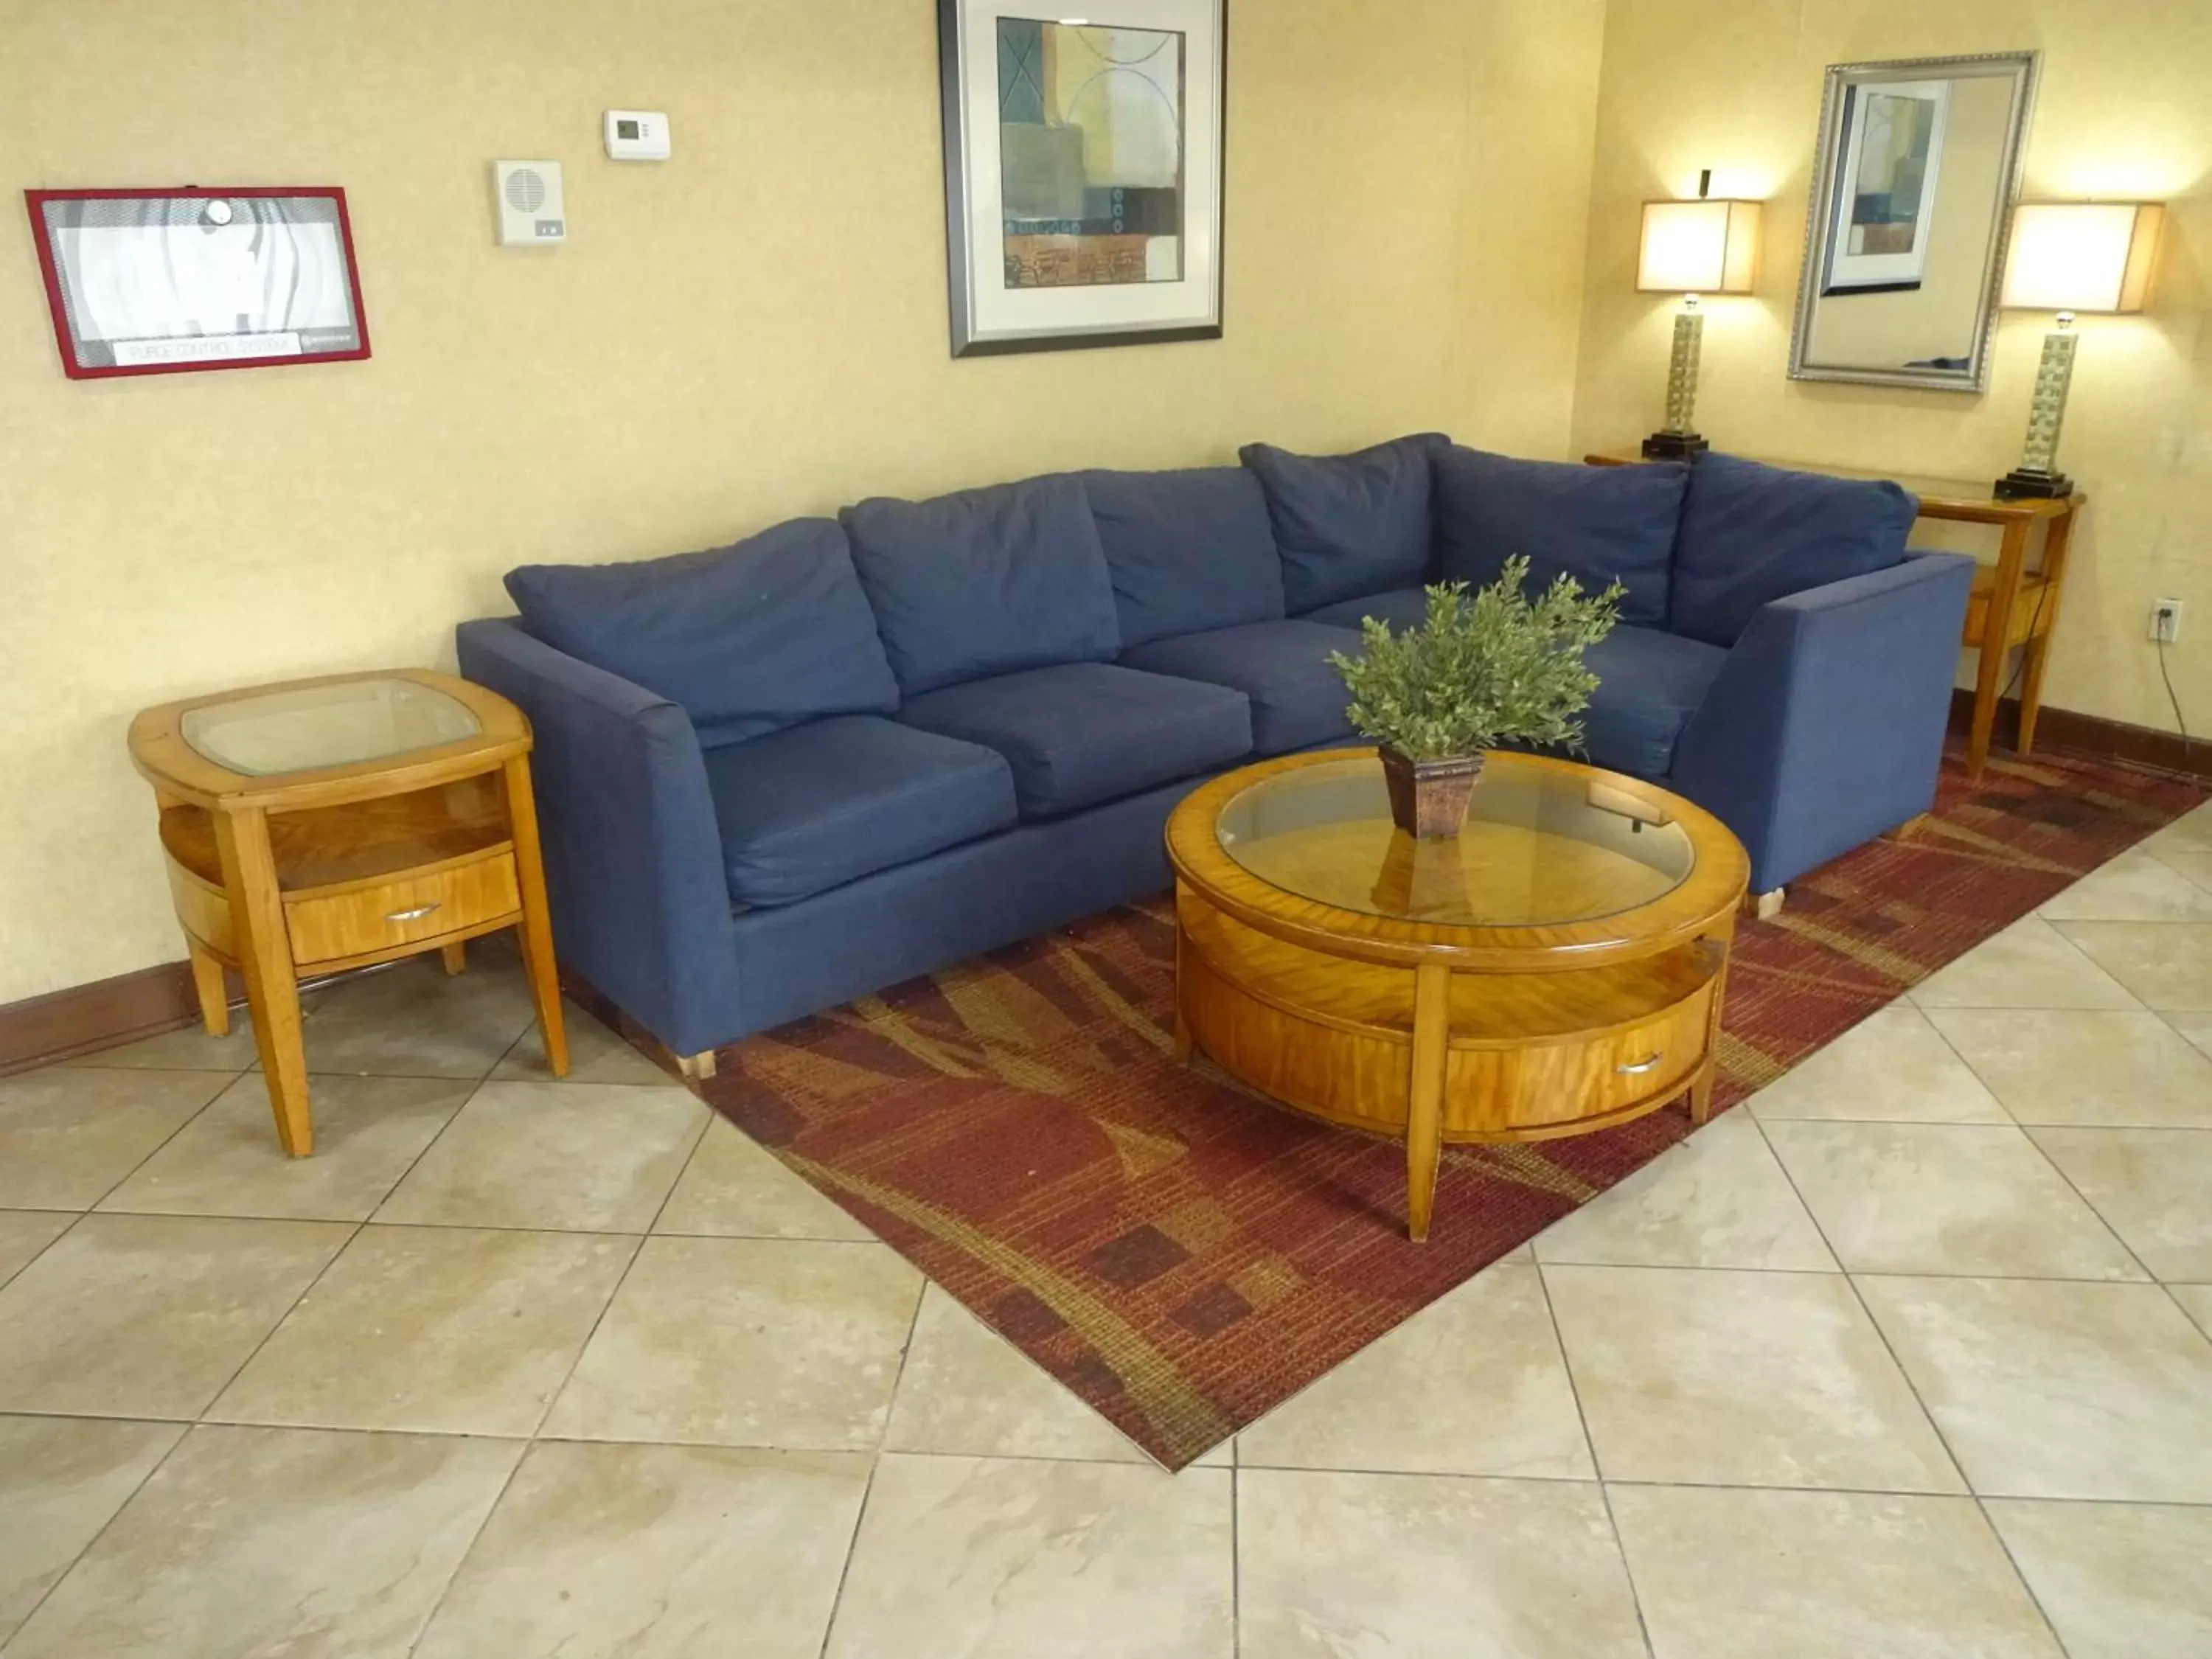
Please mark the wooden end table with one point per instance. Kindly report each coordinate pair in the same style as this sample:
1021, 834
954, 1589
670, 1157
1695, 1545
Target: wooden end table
323, 824
1557, 967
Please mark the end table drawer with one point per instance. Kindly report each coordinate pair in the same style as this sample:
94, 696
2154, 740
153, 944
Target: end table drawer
361, 920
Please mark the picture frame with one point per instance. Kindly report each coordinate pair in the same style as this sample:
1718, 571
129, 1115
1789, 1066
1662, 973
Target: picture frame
1083, 173
176, 281
1991, 109
1889, 168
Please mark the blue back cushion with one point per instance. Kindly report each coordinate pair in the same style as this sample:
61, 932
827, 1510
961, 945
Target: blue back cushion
1188, 551
1753, 533
1596, 523
1348, 524
986, 581
746, 639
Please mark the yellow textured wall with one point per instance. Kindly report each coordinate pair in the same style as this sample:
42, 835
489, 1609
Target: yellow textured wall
755, 330
2122, 112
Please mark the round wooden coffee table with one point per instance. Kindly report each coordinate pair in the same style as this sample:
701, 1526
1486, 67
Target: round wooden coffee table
1558, 968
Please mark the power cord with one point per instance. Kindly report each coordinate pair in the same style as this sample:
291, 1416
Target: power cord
2188, 743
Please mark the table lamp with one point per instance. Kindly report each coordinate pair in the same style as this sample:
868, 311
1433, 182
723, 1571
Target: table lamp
1710, 245
2068, 257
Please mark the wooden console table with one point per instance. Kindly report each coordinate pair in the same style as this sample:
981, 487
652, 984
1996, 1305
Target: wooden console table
325, 825
2012, 604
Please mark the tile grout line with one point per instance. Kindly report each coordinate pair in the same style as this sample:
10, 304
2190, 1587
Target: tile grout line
2028, 1129
1867, 1313
1590, 1445
1970, 1492
531, 1441
357, 1226
155, 1151
23, 1267
437, 1602
875, 1463
190, 1426
184, 1433
1553, 1482
1235, 1554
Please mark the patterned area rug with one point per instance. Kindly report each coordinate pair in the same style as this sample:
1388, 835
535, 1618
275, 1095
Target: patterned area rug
1184, 1255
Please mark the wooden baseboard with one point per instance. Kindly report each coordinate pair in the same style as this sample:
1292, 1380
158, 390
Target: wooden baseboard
2073, 733
86, 1019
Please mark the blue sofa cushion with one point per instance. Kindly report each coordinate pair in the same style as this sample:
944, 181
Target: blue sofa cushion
1401, 607
1297, 699
1751, 533
985, 581
1186, 550
1596, 523
1347, 524
746, 639
814, 806
1080, 733
1650, 682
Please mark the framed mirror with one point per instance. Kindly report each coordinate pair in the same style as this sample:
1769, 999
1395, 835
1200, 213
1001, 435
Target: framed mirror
1913, 183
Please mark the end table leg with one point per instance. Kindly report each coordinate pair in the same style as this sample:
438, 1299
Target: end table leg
1185, 1044
1709, 1071
455, 956
214, 994
1424, 1094
536, 929
265, 955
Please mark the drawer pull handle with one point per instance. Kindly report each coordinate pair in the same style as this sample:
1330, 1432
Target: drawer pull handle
415, 915
1642, 1065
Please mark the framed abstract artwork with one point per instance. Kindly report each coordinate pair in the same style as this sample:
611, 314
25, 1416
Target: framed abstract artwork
160, 282
1083, 173
1892, 157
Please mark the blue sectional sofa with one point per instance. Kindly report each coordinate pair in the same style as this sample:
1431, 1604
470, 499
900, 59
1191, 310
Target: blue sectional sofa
785, 773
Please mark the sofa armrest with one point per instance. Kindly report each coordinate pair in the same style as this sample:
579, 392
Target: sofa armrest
1825, 727
633, 855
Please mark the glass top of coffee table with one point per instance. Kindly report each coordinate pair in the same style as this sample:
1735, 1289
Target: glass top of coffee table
336, 723
1544, 844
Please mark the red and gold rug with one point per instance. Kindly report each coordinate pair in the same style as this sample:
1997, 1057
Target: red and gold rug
1184, 1255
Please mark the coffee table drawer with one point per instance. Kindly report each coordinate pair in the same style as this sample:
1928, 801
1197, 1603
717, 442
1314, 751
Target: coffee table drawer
363, 921
1562, 1083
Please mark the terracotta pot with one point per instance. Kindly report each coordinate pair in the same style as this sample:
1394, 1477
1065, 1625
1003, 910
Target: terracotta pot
1428, 799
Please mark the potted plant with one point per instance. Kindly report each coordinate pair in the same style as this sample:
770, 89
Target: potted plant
1486, 668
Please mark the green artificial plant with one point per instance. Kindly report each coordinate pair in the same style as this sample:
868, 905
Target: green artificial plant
1486, 668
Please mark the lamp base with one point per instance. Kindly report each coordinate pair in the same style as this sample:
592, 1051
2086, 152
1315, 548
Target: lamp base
2027, 482
1675, 447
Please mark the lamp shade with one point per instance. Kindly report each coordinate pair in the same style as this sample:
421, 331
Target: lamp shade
1705, 246
2081, 256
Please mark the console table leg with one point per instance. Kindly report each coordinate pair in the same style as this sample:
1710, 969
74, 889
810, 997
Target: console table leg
1997, 640
1424, 1094
455, 956
2055, 541
265, 955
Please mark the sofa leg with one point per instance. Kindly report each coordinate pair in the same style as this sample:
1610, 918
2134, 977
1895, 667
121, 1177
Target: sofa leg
1913, 825
698, 1067
1764, 906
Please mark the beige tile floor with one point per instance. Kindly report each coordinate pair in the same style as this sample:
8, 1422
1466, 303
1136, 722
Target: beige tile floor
1912, 1358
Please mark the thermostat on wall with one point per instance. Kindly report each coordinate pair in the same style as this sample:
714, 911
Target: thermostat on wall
530, 211
636, 134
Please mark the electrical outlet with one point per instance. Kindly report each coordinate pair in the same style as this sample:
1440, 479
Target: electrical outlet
2165, 620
